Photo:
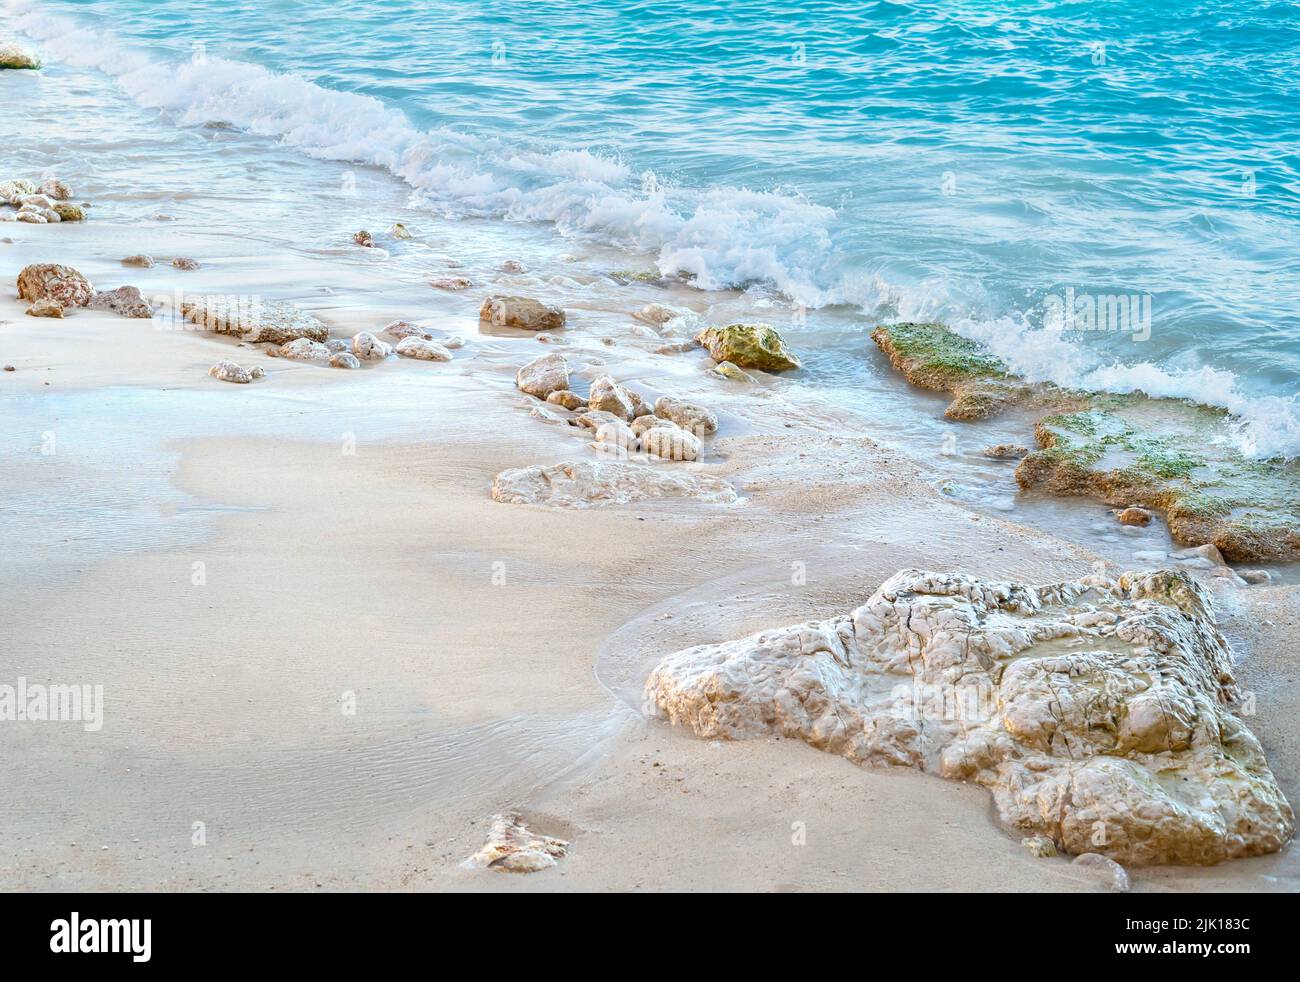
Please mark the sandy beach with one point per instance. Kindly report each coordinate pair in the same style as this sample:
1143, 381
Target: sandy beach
342, 632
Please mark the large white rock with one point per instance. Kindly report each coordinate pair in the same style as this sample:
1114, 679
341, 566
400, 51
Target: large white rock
601, 482
1100, 713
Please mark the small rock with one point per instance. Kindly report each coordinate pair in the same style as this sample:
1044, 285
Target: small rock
566, 399
229, 371
335, 345
521, 312
399, 231
405, 329
452, 342
748, 346
1006, 451
676, 348
1134, 516
127, 301
729, 371
364, 238
1039, 846
304, 349
687, 415
543, 376
615, 436
1115, 874
608, 396
450, 283
513, 266
69, 213
142, 261
422, 349
12, 192
344, 359
512, 847
185, 262
55, 282
671, 442
367, 347
1208, 552
55, 190
15, 56
45, 308
547, 415
1255, 576
659, 314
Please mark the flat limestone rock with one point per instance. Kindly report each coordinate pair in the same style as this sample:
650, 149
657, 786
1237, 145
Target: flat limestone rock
254, 320
512, 847
1100, 713
591, 483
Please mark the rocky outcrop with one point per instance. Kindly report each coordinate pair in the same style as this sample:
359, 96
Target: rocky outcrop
512, 847
748, 346
422, 350
521, 312
687, 415
1101, 714
126, 301
543, 376
52, 281
229, 371
252, 319
1171, 462
599, 482
14, 55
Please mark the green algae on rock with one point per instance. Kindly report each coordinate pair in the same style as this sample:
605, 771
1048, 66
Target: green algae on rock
1170, 456
69, 213
934, 357
13, 55
748, 346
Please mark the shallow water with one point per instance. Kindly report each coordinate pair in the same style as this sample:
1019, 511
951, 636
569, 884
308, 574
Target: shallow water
865, 161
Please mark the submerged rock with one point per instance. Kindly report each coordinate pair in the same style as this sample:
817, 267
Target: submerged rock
363, 238
727, 370
344, 359
567, 399
405, 329
659, 314
53, 281
127, 301
605, 482
543, 376
14, 55
229, 371
142, 261
399, 231
1006, 451
512, 847
252, 319
422, 349
45, 308
513, 266
450, 283
1100, 713
748, 346
1115, 875
521, 312
1133, 516
186, 263
1168, 457
69, 213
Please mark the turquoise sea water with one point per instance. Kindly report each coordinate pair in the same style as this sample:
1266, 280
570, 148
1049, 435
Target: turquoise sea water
943, 160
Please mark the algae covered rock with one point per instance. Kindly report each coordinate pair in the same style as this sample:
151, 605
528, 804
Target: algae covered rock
68, 213
1169, 457
1102, 714
748, 346
14, 55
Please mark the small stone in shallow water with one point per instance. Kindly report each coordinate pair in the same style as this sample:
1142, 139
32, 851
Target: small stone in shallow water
671, 442
69, 213
450, 283
127, 301
544, 375
512, 847
304, 349
1256, 576
229, 371
363, 238
142, 261
513, 266
55, 190
608, 396
567, 399
1006, 451
422, 349
45, 308
399, 231
687, 415
729, 371
405, 329
1134, 516
521, 312
367, 347
676, 348
344, 359
185, 262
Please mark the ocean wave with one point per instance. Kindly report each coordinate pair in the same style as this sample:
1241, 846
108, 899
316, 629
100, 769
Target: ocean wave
1263, 426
